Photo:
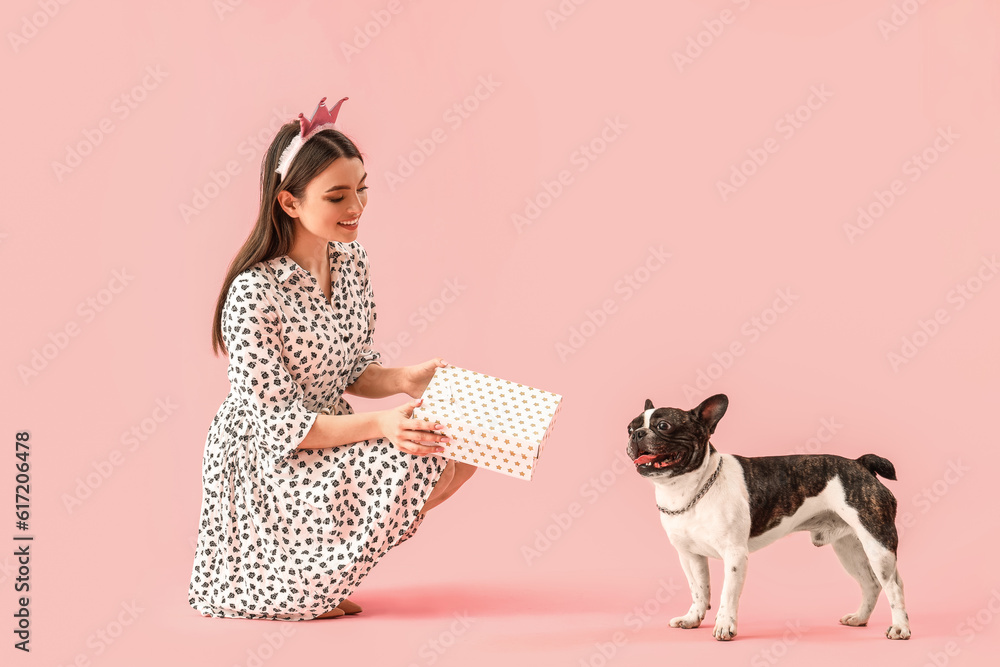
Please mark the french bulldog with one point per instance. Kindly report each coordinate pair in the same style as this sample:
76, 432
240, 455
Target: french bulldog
715, 505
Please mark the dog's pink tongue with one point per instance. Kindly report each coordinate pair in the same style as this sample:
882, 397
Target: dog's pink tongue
645, 458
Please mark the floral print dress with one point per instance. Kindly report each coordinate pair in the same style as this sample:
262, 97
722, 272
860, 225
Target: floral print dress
287, 533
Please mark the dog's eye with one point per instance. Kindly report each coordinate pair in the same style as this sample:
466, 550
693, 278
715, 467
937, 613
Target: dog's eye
663, 426
629, 429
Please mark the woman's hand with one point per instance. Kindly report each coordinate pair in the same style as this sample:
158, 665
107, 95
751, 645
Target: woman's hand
414, 379
404, 431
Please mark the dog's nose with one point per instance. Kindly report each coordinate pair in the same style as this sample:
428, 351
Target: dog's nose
633, 443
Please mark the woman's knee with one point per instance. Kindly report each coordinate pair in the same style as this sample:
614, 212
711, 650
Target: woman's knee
448, 474
453, 476
463, 471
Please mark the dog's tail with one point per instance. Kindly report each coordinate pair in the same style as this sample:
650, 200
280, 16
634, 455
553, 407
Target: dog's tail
877, 464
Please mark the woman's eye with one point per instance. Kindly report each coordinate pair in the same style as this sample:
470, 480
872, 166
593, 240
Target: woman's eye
336, 201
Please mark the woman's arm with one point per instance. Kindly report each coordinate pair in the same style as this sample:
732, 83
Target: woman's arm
377, 382
336, 430
396, 424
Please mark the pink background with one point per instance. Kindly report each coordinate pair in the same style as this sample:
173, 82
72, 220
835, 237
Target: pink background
227, 78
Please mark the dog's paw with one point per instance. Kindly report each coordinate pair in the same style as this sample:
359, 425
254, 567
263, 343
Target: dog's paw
725, 628
687, 621
853, 620
898, 632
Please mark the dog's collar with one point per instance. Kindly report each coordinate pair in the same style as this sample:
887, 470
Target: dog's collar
704, 489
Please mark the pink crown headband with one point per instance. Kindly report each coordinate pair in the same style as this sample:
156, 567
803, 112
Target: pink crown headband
322, 119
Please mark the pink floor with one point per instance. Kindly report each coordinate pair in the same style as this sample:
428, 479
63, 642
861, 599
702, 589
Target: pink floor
595, 621
460, 594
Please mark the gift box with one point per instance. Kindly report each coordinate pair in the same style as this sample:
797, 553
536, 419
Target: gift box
491, 423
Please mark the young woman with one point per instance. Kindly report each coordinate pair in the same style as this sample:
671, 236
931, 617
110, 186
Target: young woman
301, 495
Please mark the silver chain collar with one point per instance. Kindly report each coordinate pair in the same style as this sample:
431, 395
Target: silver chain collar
704, 489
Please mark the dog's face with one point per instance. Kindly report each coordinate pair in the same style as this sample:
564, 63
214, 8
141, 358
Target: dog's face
665, 442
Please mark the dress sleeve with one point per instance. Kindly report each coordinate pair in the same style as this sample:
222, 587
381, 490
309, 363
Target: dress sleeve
258, 372
368, 355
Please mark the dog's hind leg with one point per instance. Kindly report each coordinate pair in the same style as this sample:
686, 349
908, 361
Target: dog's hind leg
696, 570
852, 557
882, 561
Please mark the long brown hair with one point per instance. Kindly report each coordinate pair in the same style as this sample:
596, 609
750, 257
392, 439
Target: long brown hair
272, 235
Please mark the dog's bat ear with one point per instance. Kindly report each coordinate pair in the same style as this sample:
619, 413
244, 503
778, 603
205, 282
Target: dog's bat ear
710, 411
649, 404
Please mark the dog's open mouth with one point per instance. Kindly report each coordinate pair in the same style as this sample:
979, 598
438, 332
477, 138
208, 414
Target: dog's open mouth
659, 460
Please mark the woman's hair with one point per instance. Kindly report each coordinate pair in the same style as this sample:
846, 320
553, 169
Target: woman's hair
272, 234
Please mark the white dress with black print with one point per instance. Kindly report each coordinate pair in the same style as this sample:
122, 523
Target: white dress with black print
288, 533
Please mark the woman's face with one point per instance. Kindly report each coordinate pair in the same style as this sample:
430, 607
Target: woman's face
337, 195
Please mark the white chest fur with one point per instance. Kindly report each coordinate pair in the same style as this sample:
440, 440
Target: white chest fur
716, 522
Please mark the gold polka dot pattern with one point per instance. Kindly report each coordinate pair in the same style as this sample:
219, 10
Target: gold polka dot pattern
492, 423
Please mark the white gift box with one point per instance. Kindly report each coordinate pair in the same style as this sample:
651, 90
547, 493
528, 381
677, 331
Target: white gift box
491, 423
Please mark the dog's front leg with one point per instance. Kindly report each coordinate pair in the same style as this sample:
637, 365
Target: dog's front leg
696, 570
734, 561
